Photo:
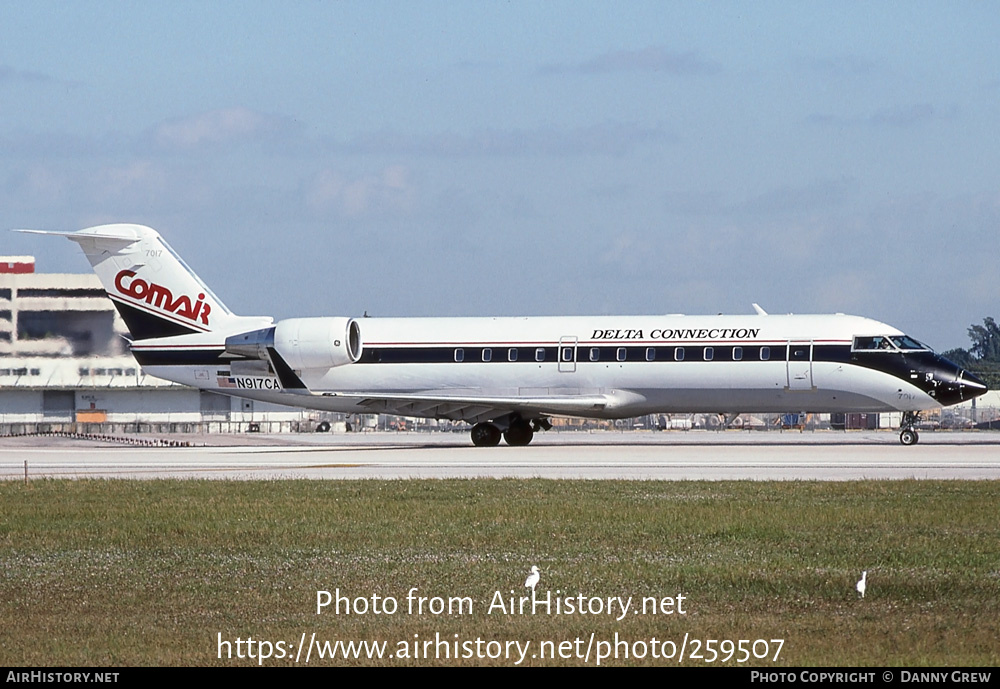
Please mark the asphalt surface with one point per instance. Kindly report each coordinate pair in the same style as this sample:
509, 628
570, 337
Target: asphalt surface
694, 455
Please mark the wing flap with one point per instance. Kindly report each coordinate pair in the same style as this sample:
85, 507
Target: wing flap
460, 407
476, 408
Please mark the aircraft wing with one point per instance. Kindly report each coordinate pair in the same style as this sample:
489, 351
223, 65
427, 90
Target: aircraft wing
475, 408
457, 406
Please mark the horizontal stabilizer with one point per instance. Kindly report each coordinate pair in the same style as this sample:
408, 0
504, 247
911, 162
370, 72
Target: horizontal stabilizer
83, 235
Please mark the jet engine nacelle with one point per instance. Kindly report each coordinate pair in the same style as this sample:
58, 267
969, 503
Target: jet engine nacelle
318, 342
303, 343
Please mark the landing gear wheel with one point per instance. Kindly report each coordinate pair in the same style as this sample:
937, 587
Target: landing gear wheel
485, 435
908, 428
519, 434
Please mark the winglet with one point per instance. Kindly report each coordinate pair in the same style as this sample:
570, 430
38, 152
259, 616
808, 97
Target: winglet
760, 311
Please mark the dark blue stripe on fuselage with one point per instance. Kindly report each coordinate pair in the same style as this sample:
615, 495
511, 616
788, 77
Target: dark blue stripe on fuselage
603, 354
501, 355
925, 370
181, 357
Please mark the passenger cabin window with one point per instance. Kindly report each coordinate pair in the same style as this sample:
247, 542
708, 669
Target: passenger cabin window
487, 354
567, 354
459, 354
765, 353
621, 354
679, 354
737, 354
595, 354
512, 354
709, 353
540, 354
650, 353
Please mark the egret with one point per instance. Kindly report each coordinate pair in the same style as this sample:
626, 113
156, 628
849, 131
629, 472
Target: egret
533, 578
862, 585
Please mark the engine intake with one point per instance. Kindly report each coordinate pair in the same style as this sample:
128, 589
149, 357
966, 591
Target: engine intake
303, 343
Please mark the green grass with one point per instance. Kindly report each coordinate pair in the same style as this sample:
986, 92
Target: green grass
150, 572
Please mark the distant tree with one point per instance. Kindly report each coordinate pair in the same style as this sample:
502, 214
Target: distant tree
983, 357
986, 340
962, 357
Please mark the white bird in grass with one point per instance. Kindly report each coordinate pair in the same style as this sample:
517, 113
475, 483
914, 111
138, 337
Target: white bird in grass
532, 578
862, 585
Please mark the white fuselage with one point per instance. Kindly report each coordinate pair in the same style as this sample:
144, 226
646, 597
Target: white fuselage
642, 364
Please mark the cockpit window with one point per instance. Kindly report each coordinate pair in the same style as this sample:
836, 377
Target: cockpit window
887, 343
873, 343
907, 342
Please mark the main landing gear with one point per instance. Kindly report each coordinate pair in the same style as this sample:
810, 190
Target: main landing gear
518, 433
908, 429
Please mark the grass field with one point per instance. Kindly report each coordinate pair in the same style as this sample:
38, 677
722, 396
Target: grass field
152, 572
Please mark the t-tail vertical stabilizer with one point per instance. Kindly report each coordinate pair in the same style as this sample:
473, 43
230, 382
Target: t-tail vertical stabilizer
154, 290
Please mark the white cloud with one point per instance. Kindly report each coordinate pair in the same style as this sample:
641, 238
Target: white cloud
905, 116
897, 116
652, 59
216, 127
9, 74
391, 190
139, 177
608, 138
841, 66
131, 187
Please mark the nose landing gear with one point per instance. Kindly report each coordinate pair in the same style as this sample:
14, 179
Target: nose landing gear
908, 429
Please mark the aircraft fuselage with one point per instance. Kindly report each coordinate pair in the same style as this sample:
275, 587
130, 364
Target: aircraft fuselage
644, 364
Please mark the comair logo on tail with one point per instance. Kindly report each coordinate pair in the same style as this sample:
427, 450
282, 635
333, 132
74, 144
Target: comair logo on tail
135, 265
161, 297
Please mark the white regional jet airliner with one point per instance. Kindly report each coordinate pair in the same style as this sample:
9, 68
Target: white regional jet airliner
506, 376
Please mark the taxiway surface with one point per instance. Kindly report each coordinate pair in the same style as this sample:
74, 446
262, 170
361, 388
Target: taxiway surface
825, 456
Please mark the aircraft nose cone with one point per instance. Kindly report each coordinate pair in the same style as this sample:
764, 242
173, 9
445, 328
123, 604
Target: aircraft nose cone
972, 385
950, 384
959, 386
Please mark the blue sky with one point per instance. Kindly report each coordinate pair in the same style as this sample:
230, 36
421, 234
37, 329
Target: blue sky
532, 158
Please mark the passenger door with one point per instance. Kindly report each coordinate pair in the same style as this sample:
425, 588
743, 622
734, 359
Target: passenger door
567, 353
800, 364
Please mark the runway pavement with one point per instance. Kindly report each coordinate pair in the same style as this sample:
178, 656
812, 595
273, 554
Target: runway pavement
827, 456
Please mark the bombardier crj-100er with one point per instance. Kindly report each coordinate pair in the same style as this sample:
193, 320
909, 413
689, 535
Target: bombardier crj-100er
507, 376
